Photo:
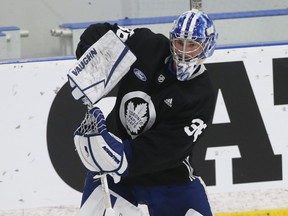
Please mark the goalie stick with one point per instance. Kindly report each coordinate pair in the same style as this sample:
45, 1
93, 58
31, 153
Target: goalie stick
89, 126
94, 75
99, 202
108, 206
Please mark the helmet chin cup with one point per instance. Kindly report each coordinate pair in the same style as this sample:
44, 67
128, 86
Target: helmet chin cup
184, 70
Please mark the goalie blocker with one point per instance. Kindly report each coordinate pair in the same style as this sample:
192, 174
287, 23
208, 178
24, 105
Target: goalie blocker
100, 68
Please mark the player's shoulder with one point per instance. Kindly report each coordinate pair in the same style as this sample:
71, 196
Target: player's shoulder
149, 47
146, 34
149, 33
100, 28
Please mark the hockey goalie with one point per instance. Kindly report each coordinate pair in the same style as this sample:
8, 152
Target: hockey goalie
142, 153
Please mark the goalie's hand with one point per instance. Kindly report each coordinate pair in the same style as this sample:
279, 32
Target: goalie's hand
102, 152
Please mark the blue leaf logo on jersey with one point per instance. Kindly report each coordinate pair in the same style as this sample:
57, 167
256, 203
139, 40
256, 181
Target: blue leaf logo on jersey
140, 74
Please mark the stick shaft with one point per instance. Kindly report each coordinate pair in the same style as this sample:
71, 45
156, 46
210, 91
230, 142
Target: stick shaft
108, 205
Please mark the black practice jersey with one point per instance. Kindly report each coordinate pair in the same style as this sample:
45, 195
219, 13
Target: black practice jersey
161, 117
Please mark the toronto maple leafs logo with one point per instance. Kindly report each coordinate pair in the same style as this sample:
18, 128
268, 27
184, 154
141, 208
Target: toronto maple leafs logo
135, 116
137, 113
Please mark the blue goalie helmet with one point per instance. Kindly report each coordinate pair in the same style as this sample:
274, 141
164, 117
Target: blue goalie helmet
193, 39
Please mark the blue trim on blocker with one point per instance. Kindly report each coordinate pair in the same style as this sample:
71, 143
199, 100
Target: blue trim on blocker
122, 55
170, 19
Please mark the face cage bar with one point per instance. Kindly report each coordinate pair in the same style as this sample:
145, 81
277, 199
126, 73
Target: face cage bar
186, 56
188, 36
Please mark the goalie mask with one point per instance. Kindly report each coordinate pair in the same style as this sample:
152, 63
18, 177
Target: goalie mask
193, 39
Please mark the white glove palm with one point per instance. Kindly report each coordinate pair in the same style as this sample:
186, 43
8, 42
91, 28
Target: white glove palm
101, 152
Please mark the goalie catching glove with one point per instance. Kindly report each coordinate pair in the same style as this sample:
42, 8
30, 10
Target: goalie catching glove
99, 150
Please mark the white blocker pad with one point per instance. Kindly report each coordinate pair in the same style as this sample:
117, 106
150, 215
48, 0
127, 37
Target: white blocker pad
95, 205
100, 68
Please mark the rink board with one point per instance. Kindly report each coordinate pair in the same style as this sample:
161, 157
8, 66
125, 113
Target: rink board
29, 173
